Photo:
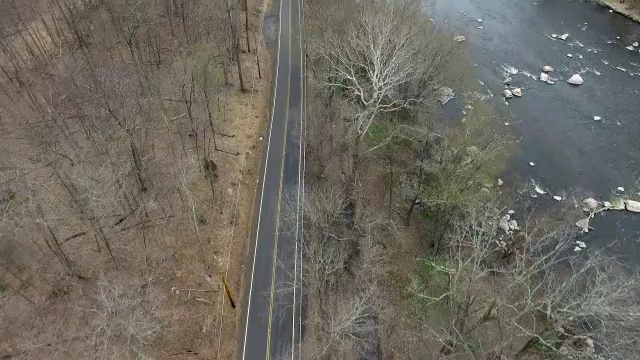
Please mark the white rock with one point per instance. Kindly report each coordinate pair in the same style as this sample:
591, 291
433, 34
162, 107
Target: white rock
517, 92
507, 94
445, 94
577, 248
557, 198
564, 36
479, 20
621, 69
620, 189
589, 341
539, 190
581, 244
617, 204
544, 77
632, 206
506, 124
576, 79
550, 82
607, 204
597, 118
636, 44
569, 55
630, 48
554, 35
500, 182
513, 225
511, 212
583, 224
459, 38
504, 224
591, 203
547, 68
507, 81
531, 163
480, 27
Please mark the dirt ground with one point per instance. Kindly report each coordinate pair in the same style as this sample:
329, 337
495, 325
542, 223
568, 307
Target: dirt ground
623, 8
168, 287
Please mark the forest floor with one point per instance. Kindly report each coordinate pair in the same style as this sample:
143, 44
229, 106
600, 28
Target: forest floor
630, 11
88, 317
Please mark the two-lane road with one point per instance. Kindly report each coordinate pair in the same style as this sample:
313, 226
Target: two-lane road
272, 316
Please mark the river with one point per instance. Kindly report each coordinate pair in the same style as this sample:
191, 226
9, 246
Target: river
554, 123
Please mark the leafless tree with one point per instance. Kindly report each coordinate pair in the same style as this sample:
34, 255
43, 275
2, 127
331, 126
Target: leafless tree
524, 291
384, 61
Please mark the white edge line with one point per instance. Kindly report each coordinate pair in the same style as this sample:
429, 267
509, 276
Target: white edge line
264, 176
237, 194
295, 267
304, 166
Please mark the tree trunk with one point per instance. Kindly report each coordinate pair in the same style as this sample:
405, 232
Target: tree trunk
413, 205
239, 64
246, 24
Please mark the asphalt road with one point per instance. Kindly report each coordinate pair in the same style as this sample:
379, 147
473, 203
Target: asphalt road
272, 309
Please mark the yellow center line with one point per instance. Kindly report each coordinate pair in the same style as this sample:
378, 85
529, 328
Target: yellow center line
277, 235
277, 231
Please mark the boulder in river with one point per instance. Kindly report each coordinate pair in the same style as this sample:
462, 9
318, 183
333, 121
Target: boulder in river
504, 223
597, 118
583, 224
591, 203
576, 79
557, 198
507, 94
517, 92
617, 204
544, 77
547, 69
479, 20
569, 55
636, 44
630, 48
459, 38
632, 206
500, 182
513, 225
445, 94
563, 36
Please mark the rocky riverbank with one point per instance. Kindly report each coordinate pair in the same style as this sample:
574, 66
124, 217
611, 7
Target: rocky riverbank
630, 11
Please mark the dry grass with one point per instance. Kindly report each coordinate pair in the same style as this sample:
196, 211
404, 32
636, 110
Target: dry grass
629, 8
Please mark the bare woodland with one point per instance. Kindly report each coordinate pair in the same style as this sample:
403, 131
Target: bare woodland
403, 253
129, 138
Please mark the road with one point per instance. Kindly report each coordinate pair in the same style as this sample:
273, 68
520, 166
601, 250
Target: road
272, 310
554, 123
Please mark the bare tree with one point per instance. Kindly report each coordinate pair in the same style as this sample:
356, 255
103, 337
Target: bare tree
525, 291
384, 61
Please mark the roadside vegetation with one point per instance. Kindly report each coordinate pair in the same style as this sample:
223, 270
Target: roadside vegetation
129, 135
410, 250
